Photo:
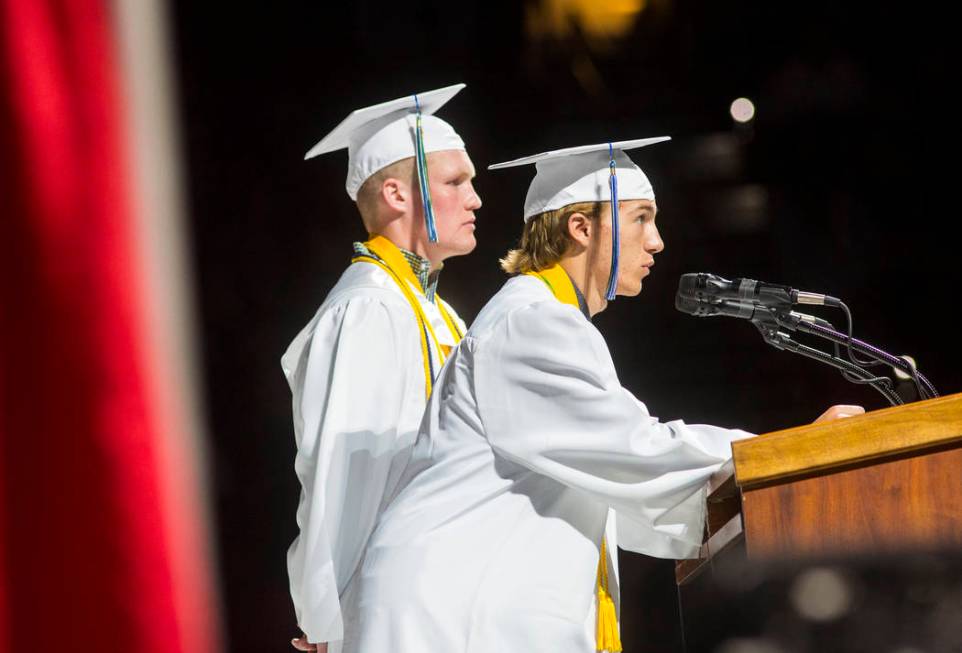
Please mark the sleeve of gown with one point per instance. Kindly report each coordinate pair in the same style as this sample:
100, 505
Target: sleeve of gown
348, 388
550, 400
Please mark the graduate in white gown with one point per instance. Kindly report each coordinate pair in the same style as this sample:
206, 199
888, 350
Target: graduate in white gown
361, 370
533, 463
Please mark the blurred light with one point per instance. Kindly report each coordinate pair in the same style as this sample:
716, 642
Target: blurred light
749, 645
714, 157
740, 209
742, 110
596, 20
821, 595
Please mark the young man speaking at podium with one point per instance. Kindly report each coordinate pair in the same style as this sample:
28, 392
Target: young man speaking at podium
533, 463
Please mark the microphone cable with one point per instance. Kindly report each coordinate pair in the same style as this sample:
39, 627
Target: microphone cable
878, 357
783, 341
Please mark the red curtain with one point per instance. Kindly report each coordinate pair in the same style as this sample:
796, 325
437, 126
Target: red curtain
85, 523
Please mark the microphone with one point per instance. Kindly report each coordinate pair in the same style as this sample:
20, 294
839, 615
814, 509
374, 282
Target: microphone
703, 286
704, 308
768, 307
758, 313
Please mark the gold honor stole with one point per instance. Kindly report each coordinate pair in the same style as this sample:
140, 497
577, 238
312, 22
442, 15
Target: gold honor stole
390, 259
606, 635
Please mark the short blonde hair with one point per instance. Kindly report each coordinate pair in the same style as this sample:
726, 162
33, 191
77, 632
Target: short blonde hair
370, 190
545, 239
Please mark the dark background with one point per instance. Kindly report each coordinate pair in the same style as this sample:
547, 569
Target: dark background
845, 183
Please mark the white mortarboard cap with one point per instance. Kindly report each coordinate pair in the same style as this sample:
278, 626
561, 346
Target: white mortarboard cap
377, 136
582, 174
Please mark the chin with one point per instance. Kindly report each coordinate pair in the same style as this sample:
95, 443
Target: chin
631, 291
465, 246
461, 247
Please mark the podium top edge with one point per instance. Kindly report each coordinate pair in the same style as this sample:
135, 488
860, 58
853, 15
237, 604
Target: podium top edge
814, 448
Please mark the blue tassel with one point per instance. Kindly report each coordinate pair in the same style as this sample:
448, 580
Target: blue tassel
615, 229
421, 163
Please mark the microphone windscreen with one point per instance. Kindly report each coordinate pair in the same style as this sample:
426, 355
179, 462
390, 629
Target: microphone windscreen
689, 283
687, 304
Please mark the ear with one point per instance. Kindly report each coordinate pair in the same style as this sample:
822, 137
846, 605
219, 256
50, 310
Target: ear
579, 228
396, 194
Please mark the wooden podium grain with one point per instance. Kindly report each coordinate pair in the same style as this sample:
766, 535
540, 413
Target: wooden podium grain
887, 482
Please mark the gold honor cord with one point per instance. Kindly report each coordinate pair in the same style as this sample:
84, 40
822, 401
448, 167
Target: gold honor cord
390, 259
606, 635
452, 328
388, 252
412, 300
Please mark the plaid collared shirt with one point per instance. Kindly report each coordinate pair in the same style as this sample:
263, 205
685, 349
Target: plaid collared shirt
420, 266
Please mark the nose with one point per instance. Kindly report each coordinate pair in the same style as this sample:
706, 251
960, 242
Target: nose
474, 200
654, 243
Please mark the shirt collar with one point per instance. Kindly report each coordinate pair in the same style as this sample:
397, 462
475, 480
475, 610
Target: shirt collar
420, 266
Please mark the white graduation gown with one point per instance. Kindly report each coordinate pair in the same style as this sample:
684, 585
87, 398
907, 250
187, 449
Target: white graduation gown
491, 543
357, 377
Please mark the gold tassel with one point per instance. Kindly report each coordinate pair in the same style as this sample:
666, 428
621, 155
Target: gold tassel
606, 633
607, 638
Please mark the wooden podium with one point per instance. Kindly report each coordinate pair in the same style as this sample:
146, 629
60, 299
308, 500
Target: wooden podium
887, 482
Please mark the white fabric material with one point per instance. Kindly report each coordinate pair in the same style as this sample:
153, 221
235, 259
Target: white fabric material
529, 441
382, 142
559, 182
357, 378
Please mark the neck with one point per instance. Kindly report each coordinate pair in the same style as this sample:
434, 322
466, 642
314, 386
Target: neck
593, 289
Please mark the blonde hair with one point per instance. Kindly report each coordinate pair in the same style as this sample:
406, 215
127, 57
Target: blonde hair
545, 239
370, 190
